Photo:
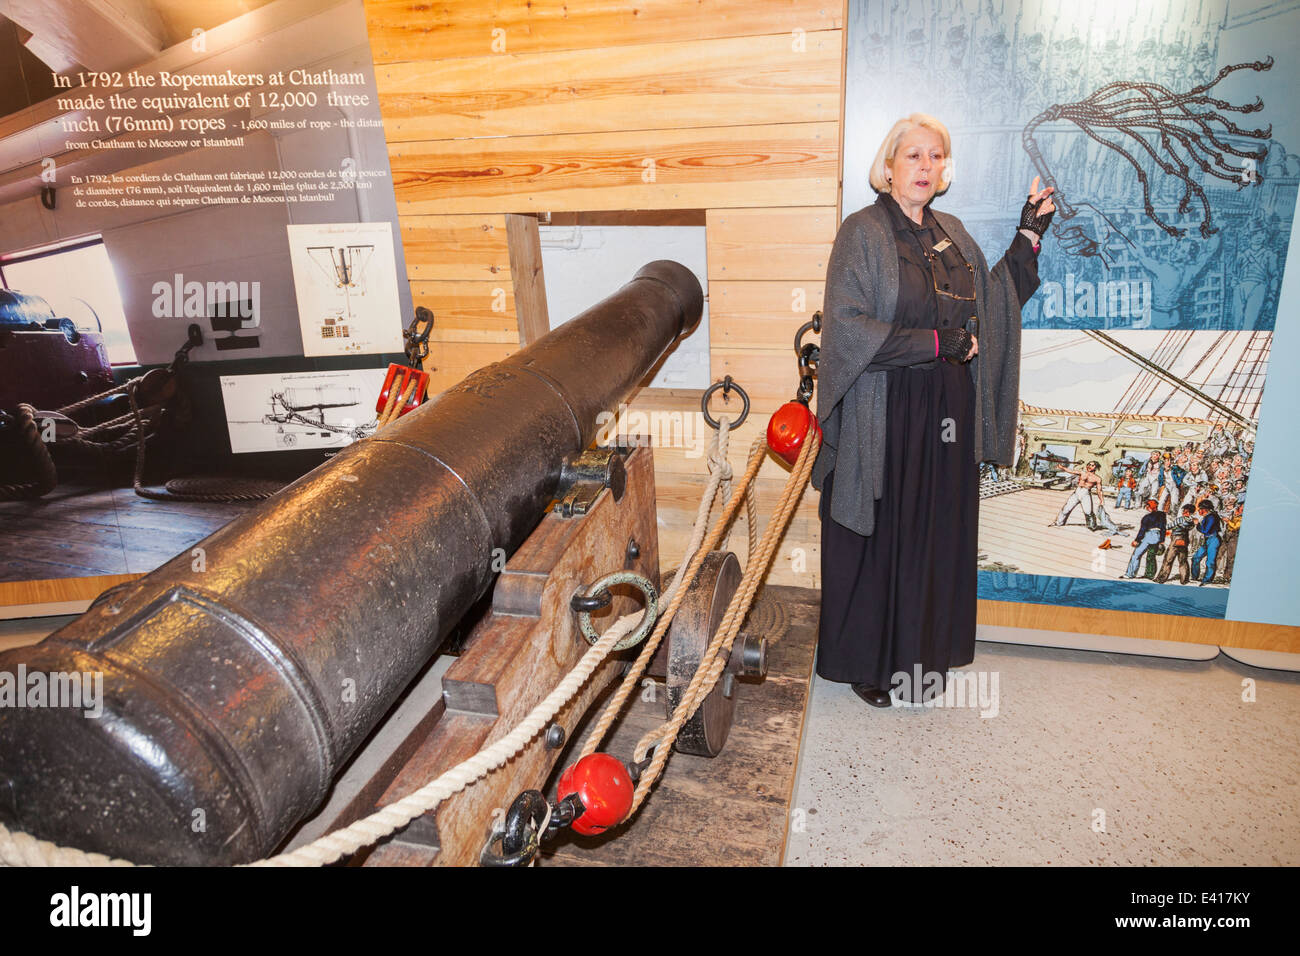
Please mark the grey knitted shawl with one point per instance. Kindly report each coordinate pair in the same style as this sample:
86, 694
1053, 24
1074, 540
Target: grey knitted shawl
861, 298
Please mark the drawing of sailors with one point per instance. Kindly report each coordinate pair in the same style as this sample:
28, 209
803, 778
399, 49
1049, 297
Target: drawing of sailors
1103, 520
1089, 481
1151, 532
991, 79
1167, 492
1030, 84
1231, 530
1127, 489
956, 43
1150, 477
1217, 442
1194, 483
1067, 70
1179, 537
1020, 465
916, 50
1110, 58
1174, 75
1147, 60
1210, 526
1201, 68
955, 94
1257, 277
1173, 279
877, 58
1278, 163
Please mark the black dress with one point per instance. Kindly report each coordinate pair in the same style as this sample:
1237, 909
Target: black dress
902, 600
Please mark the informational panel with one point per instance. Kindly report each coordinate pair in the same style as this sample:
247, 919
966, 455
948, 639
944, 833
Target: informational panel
1170, 132
347, 287
194, 142
167, 165
279, 411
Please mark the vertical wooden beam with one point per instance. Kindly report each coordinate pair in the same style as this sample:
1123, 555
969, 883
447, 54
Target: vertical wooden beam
844, 96
525, 246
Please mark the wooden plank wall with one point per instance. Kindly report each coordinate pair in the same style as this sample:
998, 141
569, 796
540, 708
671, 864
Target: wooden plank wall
734, 107
729, 106
494, 108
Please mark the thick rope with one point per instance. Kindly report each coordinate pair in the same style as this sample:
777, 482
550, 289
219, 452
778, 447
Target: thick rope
46, 476
92, 399
681, 584
388, 408
717, 460
254, 493
393, 408
715, 658
21, 849
755, 573
394, 816
135, 427
84, 432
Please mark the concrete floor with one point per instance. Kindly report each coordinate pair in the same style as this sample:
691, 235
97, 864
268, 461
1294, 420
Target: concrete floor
1089, 758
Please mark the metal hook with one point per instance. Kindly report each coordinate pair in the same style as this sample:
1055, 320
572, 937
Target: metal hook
417, 343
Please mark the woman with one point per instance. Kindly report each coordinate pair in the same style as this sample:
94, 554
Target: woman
908, 413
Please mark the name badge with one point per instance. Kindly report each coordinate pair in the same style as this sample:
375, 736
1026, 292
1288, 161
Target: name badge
942, 244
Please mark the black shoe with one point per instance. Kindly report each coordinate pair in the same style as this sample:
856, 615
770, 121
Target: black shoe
873, 696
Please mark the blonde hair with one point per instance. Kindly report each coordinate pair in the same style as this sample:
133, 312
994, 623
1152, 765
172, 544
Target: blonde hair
878, 176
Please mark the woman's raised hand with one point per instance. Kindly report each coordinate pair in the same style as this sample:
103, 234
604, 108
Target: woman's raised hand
1035, 218
1037, 195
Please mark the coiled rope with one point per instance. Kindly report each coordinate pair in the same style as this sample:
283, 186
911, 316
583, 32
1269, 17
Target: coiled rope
133, 429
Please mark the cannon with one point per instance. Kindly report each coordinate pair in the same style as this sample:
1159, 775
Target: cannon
239, 677
45, 359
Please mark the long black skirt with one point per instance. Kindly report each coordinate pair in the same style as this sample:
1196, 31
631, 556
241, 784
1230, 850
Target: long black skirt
901, 601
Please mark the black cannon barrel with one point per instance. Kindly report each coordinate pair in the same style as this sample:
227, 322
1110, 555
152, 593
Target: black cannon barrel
239, 676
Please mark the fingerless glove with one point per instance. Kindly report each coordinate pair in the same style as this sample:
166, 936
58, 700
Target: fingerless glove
954, 344
1031, 220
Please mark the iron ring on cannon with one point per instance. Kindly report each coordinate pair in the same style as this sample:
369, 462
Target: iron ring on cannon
647, 621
